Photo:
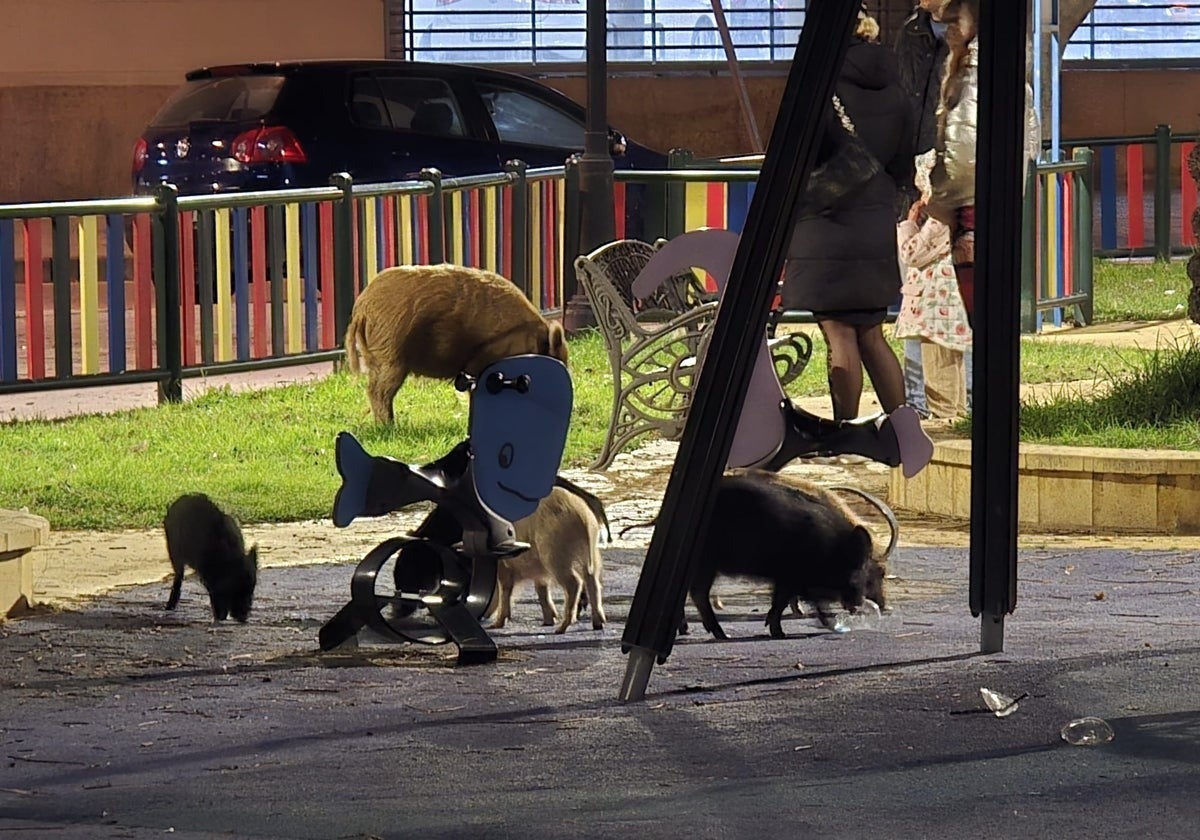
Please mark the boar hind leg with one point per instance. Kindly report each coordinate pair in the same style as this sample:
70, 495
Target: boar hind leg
779, 602
701, 592
572, 588
176, 586
383, 381
592, 582
502, 600
549, 613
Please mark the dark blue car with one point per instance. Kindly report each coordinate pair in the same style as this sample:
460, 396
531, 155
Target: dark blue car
272, 126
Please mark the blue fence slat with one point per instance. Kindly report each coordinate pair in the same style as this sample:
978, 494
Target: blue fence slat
738, 204
1108, 197
380, 233
310, 265
114, 281
8, 303
240, 248
1061, 233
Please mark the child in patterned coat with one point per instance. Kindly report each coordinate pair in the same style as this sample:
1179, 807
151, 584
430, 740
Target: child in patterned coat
931, 308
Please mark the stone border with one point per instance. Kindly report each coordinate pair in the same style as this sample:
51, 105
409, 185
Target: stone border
20, 533
1069, 488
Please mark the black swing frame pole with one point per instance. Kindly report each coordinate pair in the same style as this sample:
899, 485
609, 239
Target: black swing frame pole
999, 181
736, 336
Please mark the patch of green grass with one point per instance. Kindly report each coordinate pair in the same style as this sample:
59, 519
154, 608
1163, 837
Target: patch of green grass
268, 455
1139, 291
1154, 405
1042, 360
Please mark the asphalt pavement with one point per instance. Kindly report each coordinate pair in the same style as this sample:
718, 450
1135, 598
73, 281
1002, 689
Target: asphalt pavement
123, 721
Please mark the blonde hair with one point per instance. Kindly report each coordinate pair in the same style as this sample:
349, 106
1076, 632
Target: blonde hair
867, 28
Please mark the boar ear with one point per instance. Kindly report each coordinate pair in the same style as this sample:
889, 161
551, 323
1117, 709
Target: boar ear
557, 342
252, 555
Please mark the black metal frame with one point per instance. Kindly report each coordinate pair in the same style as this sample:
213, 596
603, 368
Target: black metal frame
720, 393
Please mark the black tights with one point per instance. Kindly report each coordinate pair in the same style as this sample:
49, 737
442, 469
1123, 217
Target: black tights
850, 348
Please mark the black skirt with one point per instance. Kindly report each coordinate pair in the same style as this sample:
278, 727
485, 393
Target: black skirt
854, 317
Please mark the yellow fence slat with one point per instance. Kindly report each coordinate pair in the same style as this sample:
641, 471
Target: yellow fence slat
224, 317
491, 222
370, 243
535, 250
456, 243
406, 227
89, 295
1050, 238
295, 331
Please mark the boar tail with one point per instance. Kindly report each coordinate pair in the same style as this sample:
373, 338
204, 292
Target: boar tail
653, 522
353, 336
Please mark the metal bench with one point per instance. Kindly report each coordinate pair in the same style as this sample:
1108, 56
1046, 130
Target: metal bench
654, 342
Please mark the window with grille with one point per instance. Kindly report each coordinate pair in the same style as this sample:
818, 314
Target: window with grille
1137, 30
554, 31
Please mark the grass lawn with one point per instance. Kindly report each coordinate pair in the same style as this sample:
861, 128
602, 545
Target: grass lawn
268, 455
1140, 291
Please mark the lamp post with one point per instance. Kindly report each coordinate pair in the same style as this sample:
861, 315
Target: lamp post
597, 225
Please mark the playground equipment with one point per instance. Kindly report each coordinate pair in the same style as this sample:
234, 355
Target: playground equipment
771, 431
439, 589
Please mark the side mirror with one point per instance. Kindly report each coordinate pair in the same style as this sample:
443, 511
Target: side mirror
616, 143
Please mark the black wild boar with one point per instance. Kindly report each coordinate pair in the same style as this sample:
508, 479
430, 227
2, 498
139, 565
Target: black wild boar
202, 536
809, 549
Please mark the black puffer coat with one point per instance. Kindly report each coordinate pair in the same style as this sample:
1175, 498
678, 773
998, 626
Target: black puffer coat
845, 257
921, 57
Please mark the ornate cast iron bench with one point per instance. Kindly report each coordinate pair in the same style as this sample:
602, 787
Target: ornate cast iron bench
654, 342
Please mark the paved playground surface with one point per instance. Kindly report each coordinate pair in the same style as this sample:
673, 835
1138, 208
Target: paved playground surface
120, 720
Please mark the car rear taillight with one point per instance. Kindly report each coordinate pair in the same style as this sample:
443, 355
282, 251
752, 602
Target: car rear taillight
140, 153
267, 144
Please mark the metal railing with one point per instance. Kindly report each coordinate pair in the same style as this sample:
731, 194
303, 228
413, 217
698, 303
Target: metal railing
236, 282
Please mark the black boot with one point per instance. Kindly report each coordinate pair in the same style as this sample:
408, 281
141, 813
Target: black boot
807, 435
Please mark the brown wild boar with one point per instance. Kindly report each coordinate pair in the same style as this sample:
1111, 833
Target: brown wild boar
562, 534
438, 320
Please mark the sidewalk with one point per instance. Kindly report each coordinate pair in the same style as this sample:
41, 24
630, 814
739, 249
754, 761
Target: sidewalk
119, 720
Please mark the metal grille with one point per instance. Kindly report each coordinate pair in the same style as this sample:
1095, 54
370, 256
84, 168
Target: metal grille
1133, 30
554, 31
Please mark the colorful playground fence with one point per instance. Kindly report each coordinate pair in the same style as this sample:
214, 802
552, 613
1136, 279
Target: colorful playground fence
1144, 197
1057, 247
160, 288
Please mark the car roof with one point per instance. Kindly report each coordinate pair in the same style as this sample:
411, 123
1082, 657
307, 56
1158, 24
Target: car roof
349, 64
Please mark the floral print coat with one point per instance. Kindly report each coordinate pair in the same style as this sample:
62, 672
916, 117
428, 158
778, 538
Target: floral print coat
931, 308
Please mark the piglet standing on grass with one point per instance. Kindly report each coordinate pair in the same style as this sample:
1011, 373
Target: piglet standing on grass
202, 536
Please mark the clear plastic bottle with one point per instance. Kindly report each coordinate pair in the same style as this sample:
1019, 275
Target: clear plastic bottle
866, 617
1087, 732
1001, 704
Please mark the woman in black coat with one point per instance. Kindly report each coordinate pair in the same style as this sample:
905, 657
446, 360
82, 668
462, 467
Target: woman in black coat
842, 262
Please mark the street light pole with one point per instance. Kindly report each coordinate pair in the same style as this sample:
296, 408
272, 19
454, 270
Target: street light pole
597, 225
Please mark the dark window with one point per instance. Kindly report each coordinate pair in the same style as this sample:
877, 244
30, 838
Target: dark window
424, 105
521, 118
226, 99
367, 107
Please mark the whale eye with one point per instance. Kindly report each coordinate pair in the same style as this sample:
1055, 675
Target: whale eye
505, 457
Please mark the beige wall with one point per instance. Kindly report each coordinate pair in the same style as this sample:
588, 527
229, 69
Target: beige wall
1126, 102
80, 78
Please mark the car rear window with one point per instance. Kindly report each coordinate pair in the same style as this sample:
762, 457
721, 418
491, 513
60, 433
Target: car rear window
227, 99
